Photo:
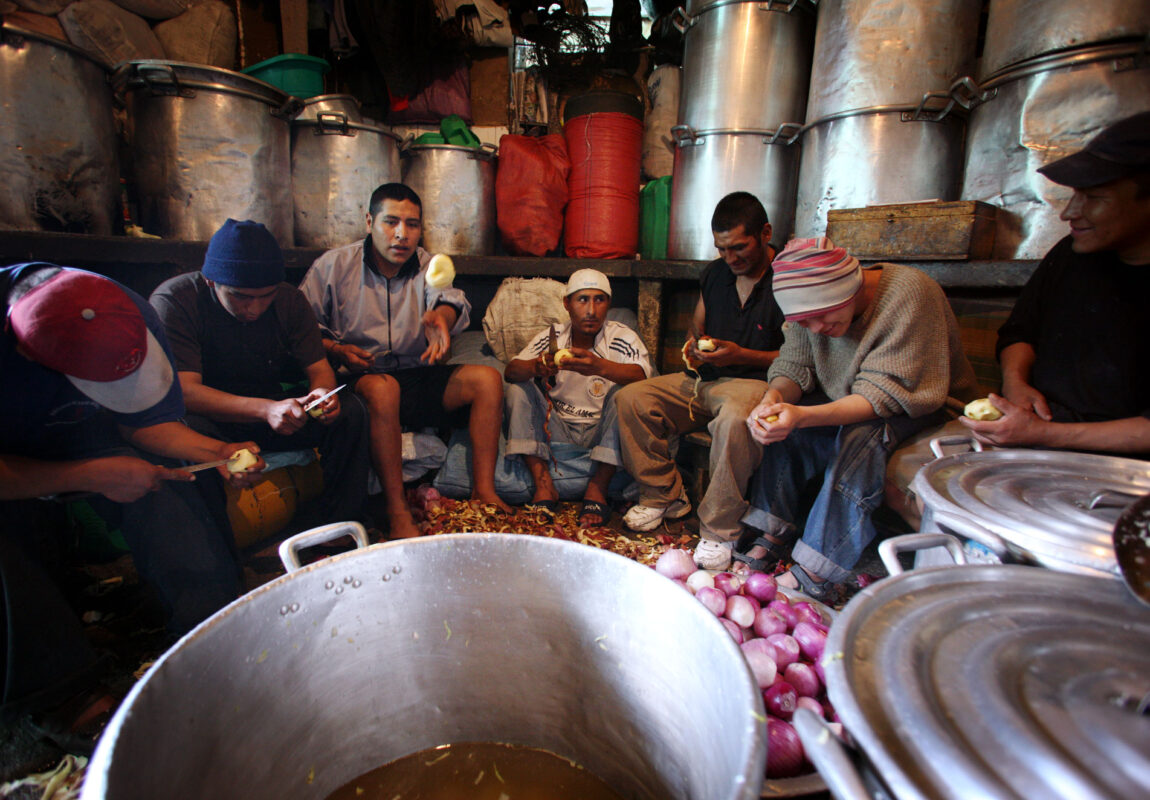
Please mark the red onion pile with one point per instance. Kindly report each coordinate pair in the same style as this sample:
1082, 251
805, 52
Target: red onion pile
781, 640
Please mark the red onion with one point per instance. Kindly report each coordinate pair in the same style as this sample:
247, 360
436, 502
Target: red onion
698, 579
755, 604
780, 699
803, 678
811, 640
739, 611
762, 666
675, 563
733, 629
805, 612
728, 584
784, 750
810, 704
784, 610
762, 645
767, 622
713, 599
760, 586
786, 649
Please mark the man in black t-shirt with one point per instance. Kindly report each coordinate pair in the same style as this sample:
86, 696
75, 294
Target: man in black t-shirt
244, 342
1075, 353
735, 333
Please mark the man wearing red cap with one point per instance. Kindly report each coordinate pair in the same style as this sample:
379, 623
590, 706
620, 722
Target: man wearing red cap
91, 389
1075, 355
870, 357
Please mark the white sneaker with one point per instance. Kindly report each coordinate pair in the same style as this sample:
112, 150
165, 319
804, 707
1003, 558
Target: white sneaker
710, 554
646, 518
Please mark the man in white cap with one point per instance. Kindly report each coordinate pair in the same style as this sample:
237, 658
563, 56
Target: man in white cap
91, 390
595, 356
870, 357
1075, 355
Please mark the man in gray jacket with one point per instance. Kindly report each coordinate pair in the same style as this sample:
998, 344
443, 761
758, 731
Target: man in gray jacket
390, 330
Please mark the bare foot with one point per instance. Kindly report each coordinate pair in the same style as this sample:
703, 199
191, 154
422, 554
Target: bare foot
494, 500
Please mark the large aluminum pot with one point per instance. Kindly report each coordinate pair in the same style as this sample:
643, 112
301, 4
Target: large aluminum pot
710, 165
457, 187
347, 664
207, 144
1041, 507
336, 163
1034, 114
990, 682
58, 148
889, 154
1018, 30
746, 65
882, 52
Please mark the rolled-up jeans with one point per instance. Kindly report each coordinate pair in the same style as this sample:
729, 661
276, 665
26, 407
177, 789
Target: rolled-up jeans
527, 411
851, 461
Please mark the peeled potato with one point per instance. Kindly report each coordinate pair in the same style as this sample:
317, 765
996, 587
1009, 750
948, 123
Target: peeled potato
705, 345
242, 460
440, 272
316, 412
563, 355
981, 410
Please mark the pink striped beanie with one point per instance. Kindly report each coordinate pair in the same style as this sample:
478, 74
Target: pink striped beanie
812, 277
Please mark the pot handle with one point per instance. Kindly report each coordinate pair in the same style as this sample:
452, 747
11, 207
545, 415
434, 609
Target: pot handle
681, 19
937, 444
830, 757
889, 550
290, 547
972, 530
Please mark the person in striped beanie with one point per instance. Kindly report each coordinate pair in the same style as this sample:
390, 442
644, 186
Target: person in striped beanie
870, 357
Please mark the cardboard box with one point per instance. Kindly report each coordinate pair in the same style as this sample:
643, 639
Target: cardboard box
928, 231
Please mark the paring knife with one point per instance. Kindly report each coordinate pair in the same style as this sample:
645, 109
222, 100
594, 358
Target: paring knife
205, 465
320, 400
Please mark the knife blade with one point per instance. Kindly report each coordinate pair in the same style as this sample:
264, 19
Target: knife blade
319, 400
205, 465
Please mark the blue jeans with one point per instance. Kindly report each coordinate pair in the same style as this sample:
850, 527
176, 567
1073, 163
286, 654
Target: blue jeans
851, 461
526, 410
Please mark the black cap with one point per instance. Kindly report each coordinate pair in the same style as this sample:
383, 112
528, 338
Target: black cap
1119, 151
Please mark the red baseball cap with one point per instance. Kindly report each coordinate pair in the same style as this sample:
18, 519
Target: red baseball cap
87, 327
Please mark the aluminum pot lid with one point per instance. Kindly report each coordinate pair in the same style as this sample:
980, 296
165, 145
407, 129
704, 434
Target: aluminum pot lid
1054, 508
996, 682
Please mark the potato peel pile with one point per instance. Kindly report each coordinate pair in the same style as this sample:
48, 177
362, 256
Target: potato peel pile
436, 514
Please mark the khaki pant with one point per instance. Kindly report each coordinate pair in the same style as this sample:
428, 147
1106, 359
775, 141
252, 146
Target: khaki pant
653, 411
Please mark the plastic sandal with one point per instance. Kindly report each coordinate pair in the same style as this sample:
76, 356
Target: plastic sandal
810, 587
594, 508
776, 552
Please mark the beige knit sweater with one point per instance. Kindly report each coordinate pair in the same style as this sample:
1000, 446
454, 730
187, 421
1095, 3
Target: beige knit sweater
903, 354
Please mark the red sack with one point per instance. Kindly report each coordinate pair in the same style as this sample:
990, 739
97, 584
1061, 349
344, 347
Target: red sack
531, 192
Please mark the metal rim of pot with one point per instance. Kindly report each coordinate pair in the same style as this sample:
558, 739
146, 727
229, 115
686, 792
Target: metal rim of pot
934, 669
1023, 524
14, 36
1125, 55
185, 80
683, 17
786, 134
485, 152
334, 123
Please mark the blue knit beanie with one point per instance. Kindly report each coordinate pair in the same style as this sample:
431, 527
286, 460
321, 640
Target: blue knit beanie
244, 255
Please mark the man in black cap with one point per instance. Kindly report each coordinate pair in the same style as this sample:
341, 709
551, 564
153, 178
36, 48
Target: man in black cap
249, 357
1075, 355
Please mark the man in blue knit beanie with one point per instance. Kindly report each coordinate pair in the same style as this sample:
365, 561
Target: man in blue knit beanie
249, 359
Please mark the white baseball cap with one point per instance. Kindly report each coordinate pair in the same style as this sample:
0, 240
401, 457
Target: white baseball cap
587, 279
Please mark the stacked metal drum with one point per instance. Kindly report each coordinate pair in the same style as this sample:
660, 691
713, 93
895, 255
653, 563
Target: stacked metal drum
1054, 73
61, 170
338, 157
746, 69
882, 126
